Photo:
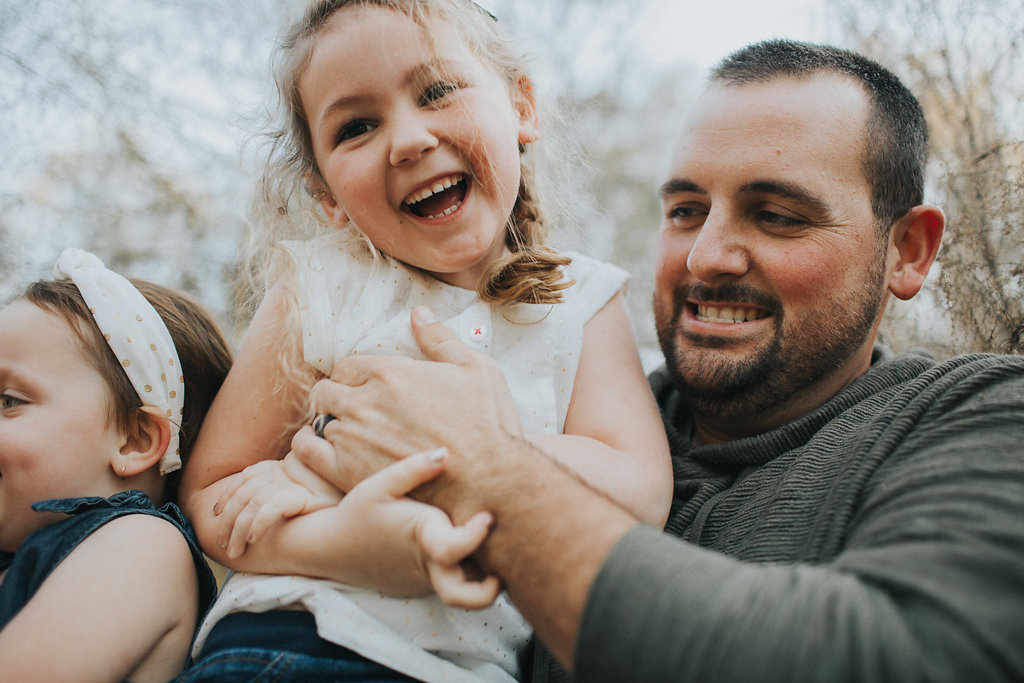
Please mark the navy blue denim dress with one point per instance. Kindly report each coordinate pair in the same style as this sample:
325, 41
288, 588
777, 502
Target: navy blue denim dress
47, 547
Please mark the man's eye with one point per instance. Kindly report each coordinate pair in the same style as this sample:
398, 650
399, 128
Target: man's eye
778, 220
685, 215
683, 212
353, 129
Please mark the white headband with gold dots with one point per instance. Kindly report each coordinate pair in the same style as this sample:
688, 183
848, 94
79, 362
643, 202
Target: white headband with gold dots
138, 337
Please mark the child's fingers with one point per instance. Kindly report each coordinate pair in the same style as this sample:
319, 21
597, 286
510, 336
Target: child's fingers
237, 538
449, 545
455, 589
397, 480
244, 486
322, 492
237, 482
286, 505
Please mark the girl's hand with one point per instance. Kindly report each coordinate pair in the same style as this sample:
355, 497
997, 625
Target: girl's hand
453, 575
263, 495
410, 548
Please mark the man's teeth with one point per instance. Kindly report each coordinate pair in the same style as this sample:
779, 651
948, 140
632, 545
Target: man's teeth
439, 186
728, 314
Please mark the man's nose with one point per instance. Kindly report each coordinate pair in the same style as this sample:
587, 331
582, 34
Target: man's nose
719, 251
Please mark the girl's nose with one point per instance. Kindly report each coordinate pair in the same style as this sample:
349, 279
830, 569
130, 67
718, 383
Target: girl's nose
411, 140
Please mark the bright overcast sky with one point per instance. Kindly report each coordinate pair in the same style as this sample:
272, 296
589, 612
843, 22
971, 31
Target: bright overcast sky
671, 30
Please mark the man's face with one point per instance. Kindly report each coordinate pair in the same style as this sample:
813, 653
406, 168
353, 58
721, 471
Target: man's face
771, 272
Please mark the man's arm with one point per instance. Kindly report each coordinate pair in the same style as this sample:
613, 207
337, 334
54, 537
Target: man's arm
551, 532
925, 585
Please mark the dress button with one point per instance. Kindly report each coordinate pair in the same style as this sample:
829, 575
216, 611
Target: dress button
478, 333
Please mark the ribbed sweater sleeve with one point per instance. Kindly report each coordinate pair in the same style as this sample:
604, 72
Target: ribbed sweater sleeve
882, 540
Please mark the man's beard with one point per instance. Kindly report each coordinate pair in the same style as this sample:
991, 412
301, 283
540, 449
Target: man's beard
775, 372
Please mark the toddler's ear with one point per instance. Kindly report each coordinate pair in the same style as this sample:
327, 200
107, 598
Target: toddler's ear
319, 190
144, 444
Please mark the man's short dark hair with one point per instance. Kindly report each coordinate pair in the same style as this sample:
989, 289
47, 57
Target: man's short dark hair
896, 145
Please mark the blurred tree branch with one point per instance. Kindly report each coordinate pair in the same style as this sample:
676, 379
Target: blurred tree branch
965, 62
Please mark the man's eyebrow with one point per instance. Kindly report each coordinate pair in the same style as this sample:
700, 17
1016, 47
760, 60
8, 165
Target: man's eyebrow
680, 185
788, 191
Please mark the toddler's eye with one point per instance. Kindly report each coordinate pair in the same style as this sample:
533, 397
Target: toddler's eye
7, 401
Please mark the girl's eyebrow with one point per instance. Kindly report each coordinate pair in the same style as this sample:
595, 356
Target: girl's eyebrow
343, 102
432, 67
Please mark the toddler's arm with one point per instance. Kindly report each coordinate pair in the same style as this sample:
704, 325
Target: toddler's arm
122, 606
614, 439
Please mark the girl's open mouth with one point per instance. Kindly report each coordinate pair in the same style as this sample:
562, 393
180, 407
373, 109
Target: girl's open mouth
442, 198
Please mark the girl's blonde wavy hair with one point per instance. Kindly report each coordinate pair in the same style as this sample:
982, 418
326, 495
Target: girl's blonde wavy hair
286, 201
286, 205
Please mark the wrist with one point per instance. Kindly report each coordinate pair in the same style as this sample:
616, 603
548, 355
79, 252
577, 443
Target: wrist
479, 477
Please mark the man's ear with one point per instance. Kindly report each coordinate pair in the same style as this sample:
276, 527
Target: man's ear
914, 242
144, 444
526, 105
318, 188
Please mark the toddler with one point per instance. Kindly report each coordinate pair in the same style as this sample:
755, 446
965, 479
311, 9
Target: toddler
103, 383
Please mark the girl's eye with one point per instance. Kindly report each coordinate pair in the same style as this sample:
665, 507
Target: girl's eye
437, 91
7, 401
353, 129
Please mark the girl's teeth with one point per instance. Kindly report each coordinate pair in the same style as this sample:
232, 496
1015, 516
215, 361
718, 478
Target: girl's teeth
446, 212
439, 186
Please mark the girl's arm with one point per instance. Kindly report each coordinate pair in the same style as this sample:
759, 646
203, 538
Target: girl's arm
251, 419
122, 606
614, 438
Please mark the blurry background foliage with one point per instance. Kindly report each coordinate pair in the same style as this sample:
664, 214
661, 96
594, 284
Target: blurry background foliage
122, 125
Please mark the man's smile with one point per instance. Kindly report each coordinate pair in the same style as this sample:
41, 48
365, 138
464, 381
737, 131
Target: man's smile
732, 313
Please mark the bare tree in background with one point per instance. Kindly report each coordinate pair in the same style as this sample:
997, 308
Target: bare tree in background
122, 135
964, 59
622, 113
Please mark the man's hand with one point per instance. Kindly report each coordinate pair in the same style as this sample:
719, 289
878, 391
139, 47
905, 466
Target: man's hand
388, 408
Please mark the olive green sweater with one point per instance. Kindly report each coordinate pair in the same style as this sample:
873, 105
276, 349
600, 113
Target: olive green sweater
879, 538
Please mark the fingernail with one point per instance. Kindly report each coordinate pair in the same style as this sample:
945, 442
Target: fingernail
216, 508
438, 454
424, 315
